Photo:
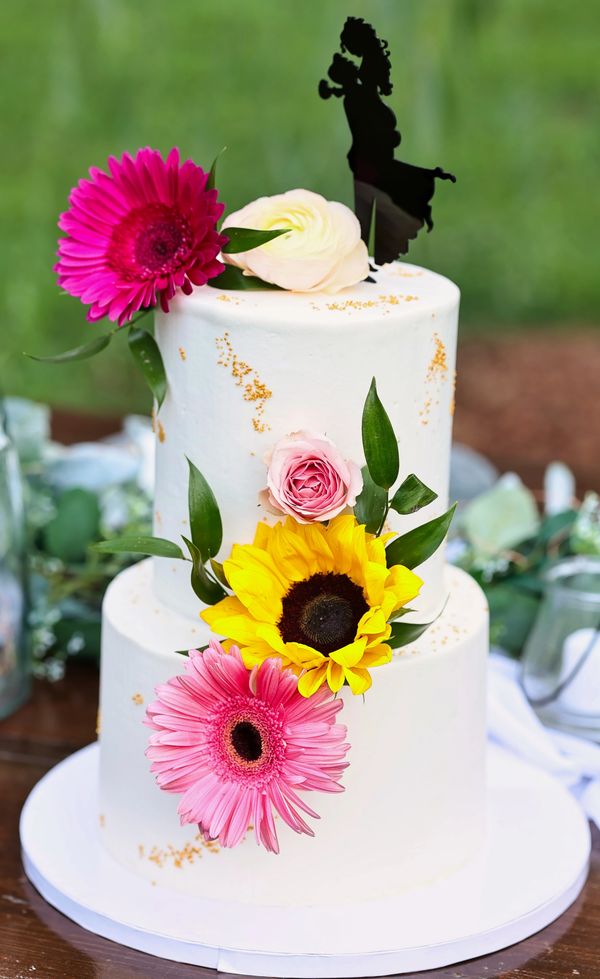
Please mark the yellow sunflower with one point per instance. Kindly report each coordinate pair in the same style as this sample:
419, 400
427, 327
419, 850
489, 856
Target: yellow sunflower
317, 596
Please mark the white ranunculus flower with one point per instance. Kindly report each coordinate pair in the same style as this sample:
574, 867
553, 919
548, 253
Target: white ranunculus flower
323, 253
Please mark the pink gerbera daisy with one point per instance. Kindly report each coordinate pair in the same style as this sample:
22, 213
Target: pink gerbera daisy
138, 234
239, 745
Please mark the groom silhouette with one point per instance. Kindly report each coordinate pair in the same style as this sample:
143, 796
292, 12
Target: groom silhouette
396, 195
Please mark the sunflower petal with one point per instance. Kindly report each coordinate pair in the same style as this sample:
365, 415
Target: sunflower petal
404, 584
359, 680
230, 618
341, 539
335, 676
305, 656
373, 622
310, 682
375, 577
349, 655
376, 656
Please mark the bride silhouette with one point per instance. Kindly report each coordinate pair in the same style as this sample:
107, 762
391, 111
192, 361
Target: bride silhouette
396, 194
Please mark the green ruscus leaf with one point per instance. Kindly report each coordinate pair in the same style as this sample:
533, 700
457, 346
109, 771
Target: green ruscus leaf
77, 353
146, 353
212, 173
371, 504
405, 632
154, 546
412, 495
234, 278
417, 545
379, 442
219, 572
205, 588
245, 239
205, 520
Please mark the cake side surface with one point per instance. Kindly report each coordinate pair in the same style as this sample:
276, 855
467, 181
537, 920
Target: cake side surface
413, 806
248, 368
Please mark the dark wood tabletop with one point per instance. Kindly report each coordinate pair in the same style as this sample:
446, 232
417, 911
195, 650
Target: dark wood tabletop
37, 942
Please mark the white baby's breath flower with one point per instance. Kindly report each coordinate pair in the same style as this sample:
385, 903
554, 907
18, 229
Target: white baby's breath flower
323, 252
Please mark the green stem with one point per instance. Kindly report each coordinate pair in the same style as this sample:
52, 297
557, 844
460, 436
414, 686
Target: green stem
384, 518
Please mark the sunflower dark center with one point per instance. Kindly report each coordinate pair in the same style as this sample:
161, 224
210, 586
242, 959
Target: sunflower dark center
323, 612
152, 240
247, 741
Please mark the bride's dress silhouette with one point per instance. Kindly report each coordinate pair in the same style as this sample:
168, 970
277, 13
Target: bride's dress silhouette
396, 194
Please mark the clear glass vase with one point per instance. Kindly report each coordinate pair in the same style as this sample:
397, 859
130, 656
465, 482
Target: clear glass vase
561, 660
14, 660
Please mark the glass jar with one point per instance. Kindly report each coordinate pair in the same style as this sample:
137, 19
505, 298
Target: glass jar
14, 660
561, 660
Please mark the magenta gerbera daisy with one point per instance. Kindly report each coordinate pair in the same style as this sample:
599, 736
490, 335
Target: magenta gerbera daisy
136, 235
242, 745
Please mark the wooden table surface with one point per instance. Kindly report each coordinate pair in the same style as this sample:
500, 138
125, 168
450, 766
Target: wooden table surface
37, 942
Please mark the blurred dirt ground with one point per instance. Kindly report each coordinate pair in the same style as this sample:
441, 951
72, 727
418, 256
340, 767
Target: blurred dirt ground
522, 400
525, 400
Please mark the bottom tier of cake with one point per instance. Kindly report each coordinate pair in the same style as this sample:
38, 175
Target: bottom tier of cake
413, 806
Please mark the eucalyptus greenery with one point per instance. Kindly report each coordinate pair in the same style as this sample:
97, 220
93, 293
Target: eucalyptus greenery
508, 545
67, 579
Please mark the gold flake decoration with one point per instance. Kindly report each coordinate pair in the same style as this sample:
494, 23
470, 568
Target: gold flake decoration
436, 374
173, 856
182, 353
395, 268
157, 427
382, 301
254, 390
138, 699
453, 398
101, 820
228, 299
438, 365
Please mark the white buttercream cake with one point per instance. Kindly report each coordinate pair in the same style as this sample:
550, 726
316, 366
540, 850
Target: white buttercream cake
245, 369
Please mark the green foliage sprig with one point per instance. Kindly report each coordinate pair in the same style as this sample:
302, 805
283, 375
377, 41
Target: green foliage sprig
206, 528
374, 503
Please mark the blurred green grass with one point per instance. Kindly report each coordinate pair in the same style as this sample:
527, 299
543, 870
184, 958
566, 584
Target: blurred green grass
502, 92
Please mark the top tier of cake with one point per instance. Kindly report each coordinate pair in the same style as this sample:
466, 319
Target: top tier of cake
247, 368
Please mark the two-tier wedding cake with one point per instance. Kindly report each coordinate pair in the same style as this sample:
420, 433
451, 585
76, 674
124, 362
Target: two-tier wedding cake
247, 370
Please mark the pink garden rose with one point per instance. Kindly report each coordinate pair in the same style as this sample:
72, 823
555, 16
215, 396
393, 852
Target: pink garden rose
309, 479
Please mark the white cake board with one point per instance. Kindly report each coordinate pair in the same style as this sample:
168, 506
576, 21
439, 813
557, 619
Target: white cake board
534, 866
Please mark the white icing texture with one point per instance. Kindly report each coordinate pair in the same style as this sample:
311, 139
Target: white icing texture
247, 368
413, 806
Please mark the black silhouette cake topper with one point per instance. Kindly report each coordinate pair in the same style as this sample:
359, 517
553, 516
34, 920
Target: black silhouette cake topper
396, 195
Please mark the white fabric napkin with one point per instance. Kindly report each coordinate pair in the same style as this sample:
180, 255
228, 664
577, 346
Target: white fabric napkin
513, 724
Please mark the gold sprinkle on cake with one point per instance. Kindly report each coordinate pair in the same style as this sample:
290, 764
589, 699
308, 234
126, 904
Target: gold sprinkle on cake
157, 426
396, 269
228, 299
383, 300
182, 353
179, 857
254, 390
453, 399
438, 365
138, 699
